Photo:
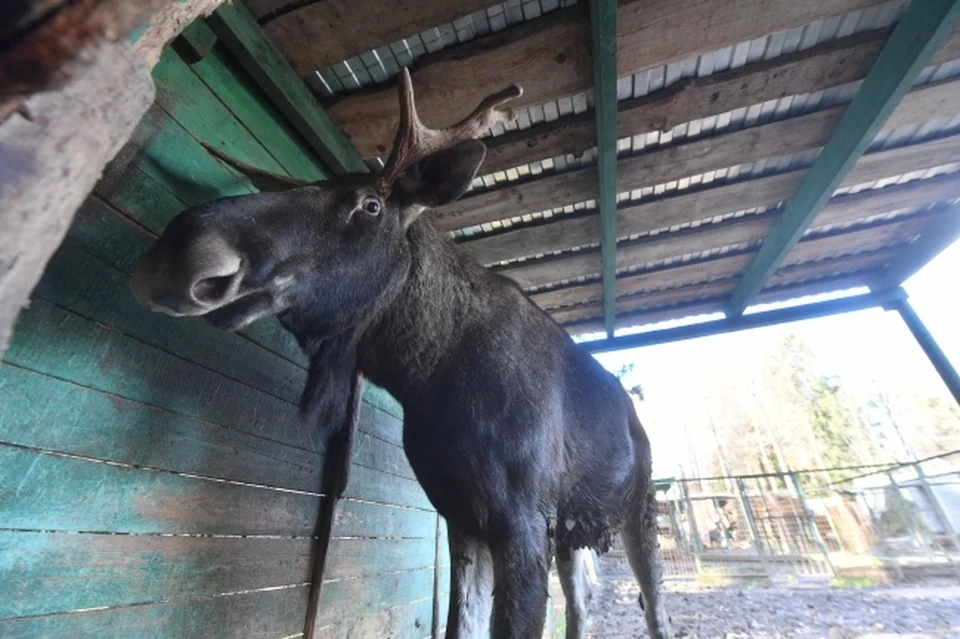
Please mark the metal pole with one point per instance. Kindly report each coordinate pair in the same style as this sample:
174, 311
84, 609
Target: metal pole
937, 357
948, 526
694, 531
752, 525
811, 519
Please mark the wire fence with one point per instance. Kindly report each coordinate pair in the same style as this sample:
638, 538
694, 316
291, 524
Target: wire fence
895, 520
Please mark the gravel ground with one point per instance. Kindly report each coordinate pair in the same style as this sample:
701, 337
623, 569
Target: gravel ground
927, 611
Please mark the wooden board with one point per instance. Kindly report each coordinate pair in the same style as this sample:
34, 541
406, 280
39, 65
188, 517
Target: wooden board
321, 33
264, 614
406, 621
660, 166
696, 205
58, 144
816, 69
551, 58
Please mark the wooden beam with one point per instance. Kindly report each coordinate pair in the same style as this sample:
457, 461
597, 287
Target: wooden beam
700, 205
603, 19
862, 238
917, 35
858, 250
551, 57
755, 320
746, 231
321, 33
938, 238
239, 31
52, 152
662, 165
816, 69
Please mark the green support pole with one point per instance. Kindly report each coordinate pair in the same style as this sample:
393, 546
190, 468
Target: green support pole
603, 17
694, 530
929, 345
752, 525
941, 511
918, 34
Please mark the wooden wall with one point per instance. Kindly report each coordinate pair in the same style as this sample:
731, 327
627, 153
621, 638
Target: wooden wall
154, 480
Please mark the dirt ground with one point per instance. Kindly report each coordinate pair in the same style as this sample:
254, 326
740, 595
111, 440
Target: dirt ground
924, 611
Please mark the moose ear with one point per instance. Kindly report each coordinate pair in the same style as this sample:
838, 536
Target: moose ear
443, 177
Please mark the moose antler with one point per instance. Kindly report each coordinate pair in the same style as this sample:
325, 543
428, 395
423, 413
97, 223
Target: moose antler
414, 141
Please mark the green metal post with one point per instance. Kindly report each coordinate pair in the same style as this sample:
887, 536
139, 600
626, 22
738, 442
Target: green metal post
918, 34
603, 17
811, 520
694, 531
948, 526
752, 525
929, 345
913, 524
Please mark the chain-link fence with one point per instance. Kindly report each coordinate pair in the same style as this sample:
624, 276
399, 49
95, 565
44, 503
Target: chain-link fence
899, 519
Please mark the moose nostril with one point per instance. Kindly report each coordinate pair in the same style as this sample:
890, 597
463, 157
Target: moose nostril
211, 289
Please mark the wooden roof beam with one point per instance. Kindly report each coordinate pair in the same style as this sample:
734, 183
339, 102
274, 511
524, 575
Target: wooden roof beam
938, 238
816, 69
603, 19
686, 159
551, 57
917, 35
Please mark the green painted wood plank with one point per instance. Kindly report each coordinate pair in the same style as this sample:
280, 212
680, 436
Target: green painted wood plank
255, 615
360, 558
238, 29
166, 152
137, 195
58, 343
40, 491
100, 231
371, 485
356, 518
88, 571
190, 102
406, 621
349, 599
935, 239
917, 35
99, 425
77, 281
603, 19
233, 85
195, 42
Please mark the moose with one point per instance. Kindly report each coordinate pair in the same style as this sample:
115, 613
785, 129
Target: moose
521, 440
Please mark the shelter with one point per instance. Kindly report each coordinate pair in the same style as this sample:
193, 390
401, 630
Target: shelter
671, 158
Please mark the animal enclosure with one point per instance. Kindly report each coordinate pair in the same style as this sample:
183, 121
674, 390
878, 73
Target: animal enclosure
154, 478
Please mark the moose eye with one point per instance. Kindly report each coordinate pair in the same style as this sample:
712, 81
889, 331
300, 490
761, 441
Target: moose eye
371, 205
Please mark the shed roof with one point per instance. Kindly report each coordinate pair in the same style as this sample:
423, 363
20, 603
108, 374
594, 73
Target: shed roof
723, 107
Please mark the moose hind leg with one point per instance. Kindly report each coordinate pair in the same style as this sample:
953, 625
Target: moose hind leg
471, 587
639, 537
576, 590
521, 564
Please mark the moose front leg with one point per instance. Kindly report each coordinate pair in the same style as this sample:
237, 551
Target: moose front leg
471, 587
521, 568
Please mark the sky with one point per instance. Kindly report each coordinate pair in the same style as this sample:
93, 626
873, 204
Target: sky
860, 347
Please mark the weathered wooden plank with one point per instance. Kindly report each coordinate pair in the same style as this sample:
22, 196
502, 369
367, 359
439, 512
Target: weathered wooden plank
55, 342
373, 485
354, 598
917, 35
92, 570
248, 615
239, 31
360, 558
705, 204
816, 69
231, 83
776, 139
356, 518
43, 412
748, 231
167, 23
54, 493
193, 105
405, 621
551, 57
940, 236
52, 152
322, 33
869, 240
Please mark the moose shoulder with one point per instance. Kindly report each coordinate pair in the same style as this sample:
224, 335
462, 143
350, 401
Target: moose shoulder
519, 438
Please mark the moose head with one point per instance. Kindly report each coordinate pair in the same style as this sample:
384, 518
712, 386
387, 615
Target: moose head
323, 253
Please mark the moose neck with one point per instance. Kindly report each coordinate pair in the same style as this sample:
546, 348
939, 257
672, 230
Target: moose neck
415, 334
